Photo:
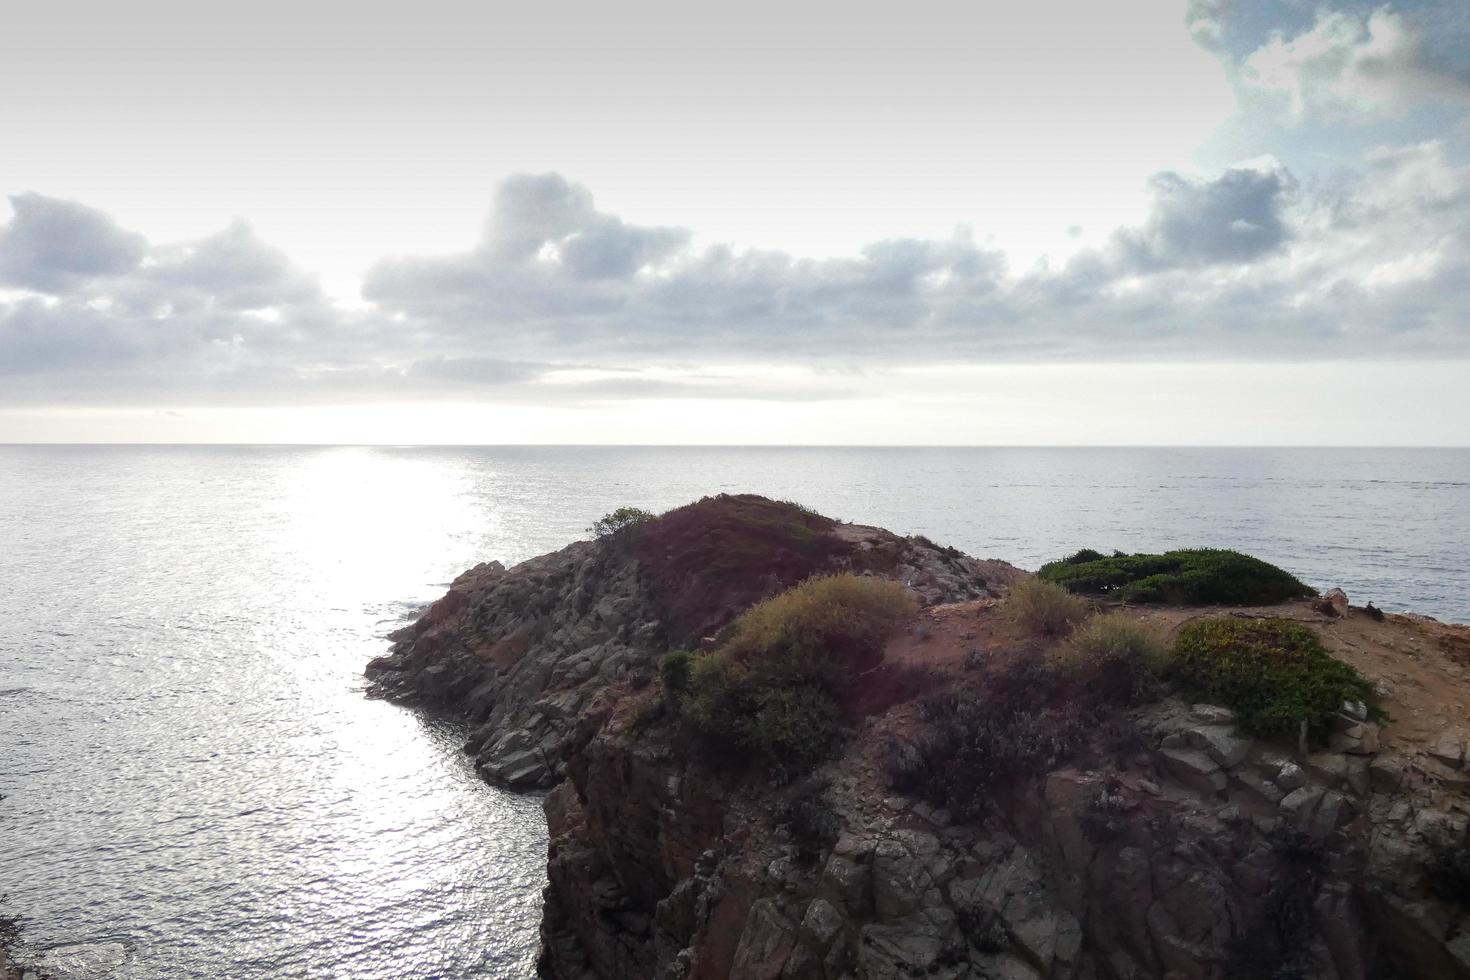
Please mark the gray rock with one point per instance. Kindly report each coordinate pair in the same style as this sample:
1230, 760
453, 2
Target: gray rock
1299, 804
1221, 743
821, 924
1212, 714
1385, 774
1450, 750
765, 943
1193, 768
1290, 777
1332, 811
1257, 784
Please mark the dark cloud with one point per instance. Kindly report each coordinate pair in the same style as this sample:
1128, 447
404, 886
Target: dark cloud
559, 300
552, 266
51, 245
1232, 219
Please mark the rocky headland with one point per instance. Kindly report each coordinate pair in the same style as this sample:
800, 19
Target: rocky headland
1154, 834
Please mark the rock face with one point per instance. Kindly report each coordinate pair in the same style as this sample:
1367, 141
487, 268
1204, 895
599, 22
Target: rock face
529, 651
1187, 850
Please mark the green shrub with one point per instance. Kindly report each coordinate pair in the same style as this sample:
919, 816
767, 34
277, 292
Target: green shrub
772, 686
1044, 609
1273, 672
1082, 556
1201, 576
674, 669
1119, 657
977, 741
618, 521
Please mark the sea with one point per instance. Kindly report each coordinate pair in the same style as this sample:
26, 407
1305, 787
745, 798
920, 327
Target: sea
195, 786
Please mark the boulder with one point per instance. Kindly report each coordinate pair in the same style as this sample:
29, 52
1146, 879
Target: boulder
1192, 768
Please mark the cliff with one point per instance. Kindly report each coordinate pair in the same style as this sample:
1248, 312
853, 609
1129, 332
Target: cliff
533, 653
1168, 843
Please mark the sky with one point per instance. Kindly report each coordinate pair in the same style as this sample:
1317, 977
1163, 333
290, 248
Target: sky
1199, 222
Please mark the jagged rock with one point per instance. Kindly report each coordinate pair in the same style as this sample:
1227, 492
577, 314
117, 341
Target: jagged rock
1221, 743
1257, 784
821, 924
1331, 811
1386, 775
1212, 714
1298, 805
663, 868
1328, 767
765, 944
1450, 750
1192, 768
1290, 777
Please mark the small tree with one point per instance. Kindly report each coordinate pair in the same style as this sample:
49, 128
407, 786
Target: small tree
618, 521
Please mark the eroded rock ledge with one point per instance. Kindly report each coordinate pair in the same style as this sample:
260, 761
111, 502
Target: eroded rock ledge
1186, 849
528, 653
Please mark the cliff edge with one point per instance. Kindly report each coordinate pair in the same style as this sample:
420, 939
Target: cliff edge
1157, 836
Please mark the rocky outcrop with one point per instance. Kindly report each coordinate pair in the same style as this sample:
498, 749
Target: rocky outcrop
1174, 846
527, 652
1204, 854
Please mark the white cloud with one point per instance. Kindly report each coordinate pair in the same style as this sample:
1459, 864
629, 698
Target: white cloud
1246, 264
1353, 66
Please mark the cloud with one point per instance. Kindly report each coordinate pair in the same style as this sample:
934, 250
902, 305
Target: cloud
553, 268
233, 270
1361, 66
560, 302
1235, 218
52, 246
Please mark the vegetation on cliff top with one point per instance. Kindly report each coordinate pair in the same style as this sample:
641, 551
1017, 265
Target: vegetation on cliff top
772, 687
1044, 608
1199, 576
1274, 673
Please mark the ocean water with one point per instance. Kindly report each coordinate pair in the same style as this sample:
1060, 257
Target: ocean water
195, 787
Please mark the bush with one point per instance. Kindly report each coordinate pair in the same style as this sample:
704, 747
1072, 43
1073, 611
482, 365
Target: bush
1273, 672
772, 686
1042, 608
1448, 869
809, 818
1201, 576
1117, 657
618, 521
978, 741
674, 669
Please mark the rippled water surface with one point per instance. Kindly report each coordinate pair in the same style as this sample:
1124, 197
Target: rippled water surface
195, 786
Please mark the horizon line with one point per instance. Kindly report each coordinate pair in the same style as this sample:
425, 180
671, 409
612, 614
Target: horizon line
713, 445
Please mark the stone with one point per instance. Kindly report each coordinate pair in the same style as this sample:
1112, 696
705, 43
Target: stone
1329, 767
1366, 736
1386, 775
765, 943
1212, 714
1331, 812
1221, 743
821, 925
1297, 806
1193, 768
1291, 777
1337, 601
1257, 784
846, 883
1358, 779
1450, 749
900, 880
1355, 710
